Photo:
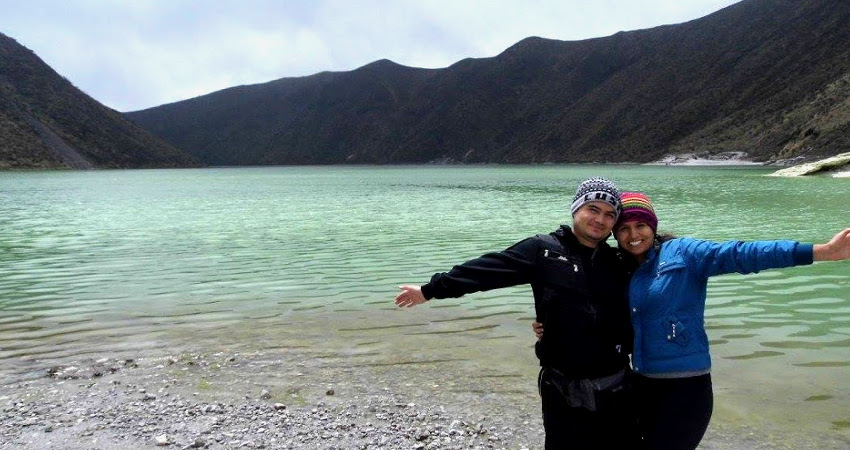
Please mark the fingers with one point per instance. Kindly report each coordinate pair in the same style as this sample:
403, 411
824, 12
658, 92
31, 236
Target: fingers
407, 302
842, 238
842, 235
410, 295
404, 295
537, 327
837, 249
844, 243
403, 298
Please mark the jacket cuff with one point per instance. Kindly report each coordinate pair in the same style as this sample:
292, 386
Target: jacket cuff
804, 254
426, 291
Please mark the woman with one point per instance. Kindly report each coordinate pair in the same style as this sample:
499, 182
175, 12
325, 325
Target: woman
667, 304
667, 295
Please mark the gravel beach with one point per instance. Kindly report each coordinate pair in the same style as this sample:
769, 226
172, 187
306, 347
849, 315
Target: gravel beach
290, 399
252, 401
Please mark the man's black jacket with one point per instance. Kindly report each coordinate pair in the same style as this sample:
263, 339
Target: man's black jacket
579, 296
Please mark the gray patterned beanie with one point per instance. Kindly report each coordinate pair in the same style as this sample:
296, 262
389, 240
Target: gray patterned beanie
597, 190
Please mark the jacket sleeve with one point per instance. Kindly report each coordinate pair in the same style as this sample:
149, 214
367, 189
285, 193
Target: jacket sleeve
717, 258
510, 267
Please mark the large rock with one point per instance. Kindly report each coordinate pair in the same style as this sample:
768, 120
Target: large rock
840, 164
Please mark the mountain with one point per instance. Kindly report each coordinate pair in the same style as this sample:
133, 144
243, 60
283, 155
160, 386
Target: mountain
46, 122
767, 77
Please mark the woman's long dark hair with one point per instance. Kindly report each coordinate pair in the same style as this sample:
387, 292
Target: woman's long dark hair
662, 238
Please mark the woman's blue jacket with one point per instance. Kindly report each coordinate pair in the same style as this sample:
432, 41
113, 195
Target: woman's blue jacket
667, 297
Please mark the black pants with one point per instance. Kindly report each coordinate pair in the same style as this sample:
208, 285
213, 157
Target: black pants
612, 425
673, 413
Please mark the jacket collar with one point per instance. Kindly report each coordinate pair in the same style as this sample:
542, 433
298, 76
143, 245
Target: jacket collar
566, 236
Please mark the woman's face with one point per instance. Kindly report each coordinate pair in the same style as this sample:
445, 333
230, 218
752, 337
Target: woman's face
635, 237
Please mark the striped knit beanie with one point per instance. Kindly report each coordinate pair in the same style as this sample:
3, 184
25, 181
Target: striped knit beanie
596, 190
636, 207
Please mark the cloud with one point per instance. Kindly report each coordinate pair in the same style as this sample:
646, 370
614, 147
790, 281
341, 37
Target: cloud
136, 54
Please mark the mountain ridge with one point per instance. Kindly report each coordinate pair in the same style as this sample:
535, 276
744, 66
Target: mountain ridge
46, 122
769, 78
760, 76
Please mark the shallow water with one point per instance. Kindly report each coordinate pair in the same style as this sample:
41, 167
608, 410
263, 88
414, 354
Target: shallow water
121, 262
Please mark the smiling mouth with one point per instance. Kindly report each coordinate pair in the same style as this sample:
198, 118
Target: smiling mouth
636, 243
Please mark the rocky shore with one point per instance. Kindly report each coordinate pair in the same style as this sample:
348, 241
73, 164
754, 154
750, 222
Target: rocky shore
215, 401
706, 159
286, 400
838, 166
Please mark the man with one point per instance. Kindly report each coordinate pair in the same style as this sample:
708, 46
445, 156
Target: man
579, 286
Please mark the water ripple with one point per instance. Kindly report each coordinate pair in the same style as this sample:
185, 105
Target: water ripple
110, 262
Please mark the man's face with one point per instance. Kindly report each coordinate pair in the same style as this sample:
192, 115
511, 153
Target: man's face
592, 223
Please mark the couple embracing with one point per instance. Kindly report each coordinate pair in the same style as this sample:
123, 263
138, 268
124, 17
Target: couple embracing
624, 357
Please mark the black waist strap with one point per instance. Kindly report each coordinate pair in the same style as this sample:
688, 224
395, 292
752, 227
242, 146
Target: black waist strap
580, 393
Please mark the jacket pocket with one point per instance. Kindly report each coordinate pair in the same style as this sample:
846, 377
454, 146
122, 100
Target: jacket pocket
676, 332
559, 269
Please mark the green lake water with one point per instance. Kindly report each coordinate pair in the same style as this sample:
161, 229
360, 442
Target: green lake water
105, 263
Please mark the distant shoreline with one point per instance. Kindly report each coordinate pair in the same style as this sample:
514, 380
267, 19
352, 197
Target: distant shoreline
732, 159
694, 159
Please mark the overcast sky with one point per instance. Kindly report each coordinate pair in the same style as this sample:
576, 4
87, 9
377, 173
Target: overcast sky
135, 54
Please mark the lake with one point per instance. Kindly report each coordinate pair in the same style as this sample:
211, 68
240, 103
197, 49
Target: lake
114, 263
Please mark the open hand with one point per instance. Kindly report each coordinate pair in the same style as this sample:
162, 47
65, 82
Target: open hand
410, 295
837, 249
